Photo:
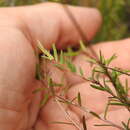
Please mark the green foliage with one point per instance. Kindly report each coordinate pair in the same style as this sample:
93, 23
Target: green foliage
115, 20
103, 78
115, 26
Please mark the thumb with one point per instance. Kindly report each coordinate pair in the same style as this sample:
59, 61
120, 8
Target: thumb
50, 23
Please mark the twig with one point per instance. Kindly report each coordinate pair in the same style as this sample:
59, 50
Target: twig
89, 111
67, 115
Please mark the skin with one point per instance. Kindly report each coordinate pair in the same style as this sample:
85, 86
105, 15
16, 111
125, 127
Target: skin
20, 28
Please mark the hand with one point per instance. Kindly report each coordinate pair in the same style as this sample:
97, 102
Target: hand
96, 100
92, 99
20, 28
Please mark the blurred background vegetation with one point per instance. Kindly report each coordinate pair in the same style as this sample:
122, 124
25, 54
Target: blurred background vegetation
116, 15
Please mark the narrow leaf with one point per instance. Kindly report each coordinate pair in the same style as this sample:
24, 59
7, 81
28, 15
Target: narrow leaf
44, 101
81, 71
38, 74
45, 57
61, 123
44, 51
108, 61
92, 61
118, 104
84, 123
38, 90
125, 126
71, 54
95, 114
101, 57
79, 99
59, 66
106, 110
128, 123
62, 57
71, 66
51, 86
66, 102
98, 87
82, 46
126, 87
103, 125
55, 52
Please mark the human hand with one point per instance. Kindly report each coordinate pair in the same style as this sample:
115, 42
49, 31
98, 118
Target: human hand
20, 28
92, 99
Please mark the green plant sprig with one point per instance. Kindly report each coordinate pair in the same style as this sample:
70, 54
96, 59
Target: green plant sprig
112, 74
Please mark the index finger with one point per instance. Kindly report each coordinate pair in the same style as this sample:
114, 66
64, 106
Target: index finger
50, 23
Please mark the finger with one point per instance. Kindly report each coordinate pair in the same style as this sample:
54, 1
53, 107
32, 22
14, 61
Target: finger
120, 48
114, 116
50, 23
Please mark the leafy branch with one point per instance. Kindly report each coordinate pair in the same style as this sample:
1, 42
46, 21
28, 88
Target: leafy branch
102, 78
